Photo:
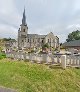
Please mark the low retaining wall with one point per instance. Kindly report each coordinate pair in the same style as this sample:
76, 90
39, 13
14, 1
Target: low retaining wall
63, 60
32, 57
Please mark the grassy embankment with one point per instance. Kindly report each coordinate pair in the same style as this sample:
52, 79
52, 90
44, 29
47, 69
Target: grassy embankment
27, 77
2, 55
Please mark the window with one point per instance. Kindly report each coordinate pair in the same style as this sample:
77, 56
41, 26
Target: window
22, 40
48, 40
42, 41
28, 40
33, 40
23, 30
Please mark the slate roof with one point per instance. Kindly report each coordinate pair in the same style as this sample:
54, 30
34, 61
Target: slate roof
41, 36
35, 36
72, 43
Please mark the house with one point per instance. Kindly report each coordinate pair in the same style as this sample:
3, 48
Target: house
72, 44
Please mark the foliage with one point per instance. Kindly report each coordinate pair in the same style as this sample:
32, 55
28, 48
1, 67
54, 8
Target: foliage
75, 35
8, 39
45, 46
2, 55
0, 48
28, 77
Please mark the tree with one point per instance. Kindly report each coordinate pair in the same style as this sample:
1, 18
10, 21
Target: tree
45, 46
8, 39
75, 35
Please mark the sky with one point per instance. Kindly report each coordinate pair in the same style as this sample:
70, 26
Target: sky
42, 16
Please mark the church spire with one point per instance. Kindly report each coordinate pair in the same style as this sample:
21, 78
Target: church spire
24, 18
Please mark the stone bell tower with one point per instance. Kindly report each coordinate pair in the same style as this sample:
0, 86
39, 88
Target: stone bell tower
22, 32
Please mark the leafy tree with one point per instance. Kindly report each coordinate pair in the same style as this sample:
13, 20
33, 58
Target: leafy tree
8, 39
75, 35
45, 46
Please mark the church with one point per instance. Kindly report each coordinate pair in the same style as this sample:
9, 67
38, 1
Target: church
26, 40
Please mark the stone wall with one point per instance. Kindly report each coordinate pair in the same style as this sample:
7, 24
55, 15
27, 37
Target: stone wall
62, 60
34, 57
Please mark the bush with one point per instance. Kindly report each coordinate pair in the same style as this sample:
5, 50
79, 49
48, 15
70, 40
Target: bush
45, 46
2, 55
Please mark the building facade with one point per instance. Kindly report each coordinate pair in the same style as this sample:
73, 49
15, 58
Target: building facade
26, 40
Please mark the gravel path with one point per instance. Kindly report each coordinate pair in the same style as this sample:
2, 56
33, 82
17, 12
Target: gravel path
2, 89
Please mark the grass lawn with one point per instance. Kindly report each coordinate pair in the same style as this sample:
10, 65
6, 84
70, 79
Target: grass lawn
27, 77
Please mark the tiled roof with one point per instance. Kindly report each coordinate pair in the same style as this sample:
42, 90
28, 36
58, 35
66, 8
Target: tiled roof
72, 43
35, 36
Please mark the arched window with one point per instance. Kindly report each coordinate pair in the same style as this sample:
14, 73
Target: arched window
48, 40
22, 40
23, 30
33, 40
42, 41
28, 40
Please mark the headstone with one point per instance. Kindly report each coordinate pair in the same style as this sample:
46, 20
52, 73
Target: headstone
63, 61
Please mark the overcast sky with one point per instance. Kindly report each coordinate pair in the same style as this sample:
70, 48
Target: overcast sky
43, 16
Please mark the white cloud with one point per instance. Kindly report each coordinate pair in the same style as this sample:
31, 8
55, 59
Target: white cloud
7, 31
73, 26
59, 16
9, 19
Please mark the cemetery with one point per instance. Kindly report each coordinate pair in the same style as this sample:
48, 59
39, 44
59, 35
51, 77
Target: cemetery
39, 63
41, 48
64, 60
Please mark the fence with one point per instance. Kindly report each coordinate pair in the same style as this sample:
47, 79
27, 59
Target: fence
73, 61
62, 60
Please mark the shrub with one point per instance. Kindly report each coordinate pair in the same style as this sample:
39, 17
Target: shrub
2, 55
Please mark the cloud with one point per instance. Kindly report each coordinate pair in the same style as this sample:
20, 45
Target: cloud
43, 16
56, 29
9, 19
73, 26
6, 31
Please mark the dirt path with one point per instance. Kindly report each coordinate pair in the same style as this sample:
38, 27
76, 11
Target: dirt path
3, 89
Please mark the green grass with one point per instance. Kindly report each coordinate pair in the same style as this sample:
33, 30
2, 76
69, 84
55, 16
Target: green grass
2, 55
27, 77
0, 48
